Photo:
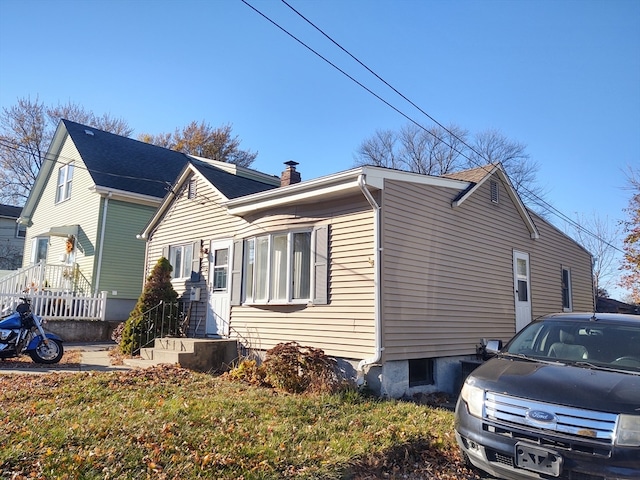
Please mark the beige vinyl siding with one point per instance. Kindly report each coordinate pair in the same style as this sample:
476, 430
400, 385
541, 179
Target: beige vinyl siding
186, 221
554, 251
83, 207
122, 253
448, 272
344, 327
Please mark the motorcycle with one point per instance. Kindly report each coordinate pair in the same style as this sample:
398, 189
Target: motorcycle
21, 333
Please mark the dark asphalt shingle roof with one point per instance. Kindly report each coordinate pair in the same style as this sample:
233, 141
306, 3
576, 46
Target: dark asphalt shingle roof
231, 186
10, 211
126, 164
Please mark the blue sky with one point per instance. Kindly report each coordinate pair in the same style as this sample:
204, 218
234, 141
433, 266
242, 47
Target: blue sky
562, 77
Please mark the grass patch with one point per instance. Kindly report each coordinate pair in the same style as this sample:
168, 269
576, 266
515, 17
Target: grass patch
168, 422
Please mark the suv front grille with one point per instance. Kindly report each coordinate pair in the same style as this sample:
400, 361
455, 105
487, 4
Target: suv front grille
570, 423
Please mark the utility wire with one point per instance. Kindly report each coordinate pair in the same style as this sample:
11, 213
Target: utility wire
61, 159
531, 194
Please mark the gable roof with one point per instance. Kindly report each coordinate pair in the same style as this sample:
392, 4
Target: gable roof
228, 185
125, 164
478, 176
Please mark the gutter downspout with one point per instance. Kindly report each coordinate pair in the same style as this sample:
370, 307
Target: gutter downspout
103, 227
377, 256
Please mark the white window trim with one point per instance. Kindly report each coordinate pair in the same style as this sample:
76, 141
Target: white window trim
186, 262
568, 308
34, 249
66, 182
288, 300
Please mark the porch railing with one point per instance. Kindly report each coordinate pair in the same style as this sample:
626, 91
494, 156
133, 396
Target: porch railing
163, 320
57, 305
41, 276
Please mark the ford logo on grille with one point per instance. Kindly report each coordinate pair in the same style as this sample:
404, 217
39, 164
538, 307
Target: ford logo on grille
540, 416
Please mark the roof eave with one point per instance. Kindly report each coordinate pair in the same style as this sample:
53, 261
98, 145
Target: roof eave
126, 196
341, 182
50, 159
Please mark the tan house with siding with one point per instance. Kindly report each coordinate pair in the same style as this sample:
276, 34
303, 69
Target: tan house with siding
399, 275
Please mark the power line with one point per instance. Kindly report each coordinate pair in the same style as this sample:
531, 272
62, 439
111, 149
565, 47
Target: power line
540, 201
61, 159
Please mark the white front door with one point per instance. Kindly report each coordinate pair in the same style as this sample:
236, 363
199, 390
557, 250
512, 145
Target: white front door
522, 289
219, 291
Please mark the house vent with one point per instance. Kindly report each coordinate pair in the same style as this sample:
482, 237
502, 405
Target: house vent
495, 191
191, 189
89, 132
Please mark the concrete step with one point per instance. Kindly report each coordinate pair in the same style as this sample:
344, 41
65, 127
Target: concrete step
193, 353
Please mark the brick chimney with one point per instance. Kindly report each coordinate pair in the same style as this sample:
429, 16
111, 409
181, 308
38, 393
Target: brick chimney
290, 175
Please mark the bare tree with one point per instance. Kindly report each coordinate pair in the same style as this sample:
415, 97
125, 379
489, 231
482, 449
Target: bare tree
434, 151
599, 236
438, 150
205, 141
26, 130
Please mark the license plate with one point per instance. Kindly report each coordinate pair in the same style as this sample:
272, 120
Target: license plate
538, 459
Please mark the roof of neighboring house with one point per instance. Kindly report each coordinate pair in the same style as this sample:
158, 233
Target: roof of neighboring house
231, 186
604, 304
9, 211
125, 164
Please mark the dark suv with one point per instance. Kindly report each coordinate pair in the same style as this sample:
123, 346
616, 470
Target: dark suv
561, 400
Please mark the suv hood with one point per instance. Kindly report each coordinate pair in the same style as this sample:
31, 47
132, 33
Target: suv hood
582, 387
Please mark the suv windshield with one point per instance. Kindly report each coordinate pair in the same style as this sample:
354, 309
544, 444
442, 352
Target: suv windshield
607, 345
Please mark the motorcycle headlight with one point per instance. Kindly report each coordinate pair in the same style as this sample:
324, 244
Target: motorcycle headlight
474, 398
628, 431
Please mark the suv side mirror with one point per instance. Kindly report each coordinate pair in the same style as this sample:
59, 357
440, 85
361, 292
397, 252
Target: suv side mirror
493, 346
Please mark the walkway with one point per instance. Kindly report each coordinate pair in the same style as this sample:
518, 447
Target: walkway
95, 357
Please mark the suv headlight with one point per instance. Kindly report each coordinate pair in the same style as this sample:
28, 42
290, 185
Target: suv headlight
628, 432
474, 398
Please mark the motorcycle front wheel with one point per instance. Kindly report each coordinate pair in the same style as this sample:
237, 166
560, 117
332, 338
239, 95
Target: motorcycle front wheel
51, 353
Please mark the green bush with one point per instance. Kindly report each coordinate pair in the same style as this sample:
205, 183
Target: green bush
158, 289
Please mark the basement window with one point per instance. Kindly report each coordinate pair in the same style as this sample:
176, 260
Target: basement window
495, 191
421, 372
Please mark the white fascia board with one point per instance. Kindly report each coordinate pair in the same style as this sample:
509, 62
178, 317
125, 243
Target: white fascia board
513, 195
50, 159
126, 196
331, 184
309, 189
166, 202
377, 175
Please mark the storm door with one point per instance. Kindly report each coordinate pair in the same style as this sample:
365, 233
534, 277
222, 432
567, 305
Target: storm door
522, 289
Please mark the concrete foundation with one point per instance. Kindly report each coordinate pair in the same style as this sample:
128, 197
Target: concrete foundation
81, 330
391, 379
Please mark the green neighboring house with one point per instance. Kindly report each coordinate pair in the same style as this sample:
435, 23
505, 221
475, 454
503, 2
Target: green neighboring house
94, 193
